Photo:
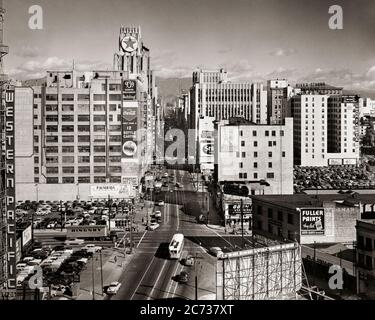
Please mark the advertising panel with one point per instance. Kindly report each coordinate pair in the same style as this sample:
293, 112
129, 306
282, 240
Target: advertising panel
86, 231
335, 162
129, 90
8, 100
114, 191
129, 131
312, 221
26, 236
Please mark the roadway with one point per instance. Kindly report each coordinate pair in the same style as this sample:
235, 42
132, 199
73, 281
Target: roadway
150, 274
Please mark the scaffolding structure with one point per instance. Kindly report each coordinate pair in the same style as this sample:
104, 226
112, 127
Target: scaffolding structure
3, 227
265, 272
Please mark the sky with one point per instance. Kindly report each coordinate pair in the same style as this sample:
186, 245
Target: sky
253, 40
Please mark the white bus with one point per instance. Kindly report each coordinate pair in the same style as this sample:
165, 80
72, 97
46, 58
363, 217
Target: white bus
176, 245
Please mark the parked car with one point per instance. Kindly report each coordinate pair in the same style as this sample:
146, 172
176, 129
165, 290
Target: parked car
160, 203
216, 251
113, 288
92, 248
157, 213
74, 242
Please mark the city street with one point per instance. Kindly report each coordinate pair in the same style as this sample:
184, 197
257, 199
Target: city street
150, 274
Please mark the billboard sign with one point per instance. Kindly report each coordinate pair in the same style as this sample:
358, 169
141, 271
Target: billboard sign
129, 90
114, 191
26, 236
235, 209
129, 132
86, 231
312, 221
335, 162
10, 202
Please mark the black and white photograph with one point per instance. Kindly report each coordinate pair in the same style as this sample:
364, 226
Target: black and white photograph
191, 153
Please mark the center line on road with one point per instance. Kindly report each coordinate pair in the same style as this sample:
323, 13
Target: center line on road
141, 238
152, 260
219, 236
171, 280
157, 280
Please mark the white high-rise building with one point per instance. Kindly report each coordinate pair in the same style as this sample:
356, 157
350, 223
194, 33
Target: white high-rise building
212, 96
309, 113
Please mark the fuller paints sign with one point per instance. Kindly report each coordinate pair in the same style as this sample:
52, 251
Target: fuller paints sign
10, 188
312, 221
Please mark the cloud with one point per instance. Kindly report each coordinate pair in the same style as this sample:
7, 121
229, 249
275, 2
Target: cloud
283, 52
28, 52
34, 69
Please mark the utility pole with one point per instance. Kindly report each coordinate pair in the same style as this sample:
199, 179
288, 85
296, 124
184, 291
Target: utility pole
93, 278
243, 239
61, 217
109, 213
131, 227
196, 276
101, 272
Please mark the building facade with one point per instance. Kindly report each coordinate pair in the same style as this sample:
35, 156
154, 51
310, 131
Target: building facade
366, 256
92, 127
327, 218
309, 112
257, 156
212, 96
343, 129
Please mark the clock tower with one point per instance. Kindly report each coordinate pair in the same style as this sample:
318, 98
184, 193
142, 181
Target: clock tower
132, 55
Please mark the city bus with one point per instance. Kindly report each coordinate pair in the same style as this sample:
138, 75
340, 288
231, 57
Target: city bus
176, 245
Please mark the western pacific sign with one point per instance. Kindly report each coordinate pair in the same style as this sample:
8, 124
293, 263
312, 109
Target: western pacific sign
10, 200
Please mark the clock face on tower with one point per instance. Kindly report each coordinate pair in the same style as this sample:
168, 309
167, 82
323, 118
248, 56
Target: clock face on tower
129, 43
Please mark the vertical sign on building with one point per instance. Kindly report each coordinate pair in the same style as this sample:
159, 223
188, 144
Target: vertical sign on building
10, 189
129, 120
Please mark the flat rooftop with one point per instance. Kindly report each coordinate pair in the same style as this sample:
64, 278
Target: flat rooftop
309, 200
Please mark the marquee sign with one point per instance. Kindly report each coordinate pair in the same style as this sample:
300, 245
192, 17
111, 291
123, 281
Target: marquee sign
10, 201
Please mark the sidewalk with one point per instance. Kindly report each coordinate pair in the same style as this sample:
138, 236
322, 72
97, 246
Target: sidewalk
114, 265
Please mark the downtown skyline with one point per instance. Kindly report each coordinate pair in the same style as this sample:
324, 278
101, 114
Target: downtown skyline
252, 40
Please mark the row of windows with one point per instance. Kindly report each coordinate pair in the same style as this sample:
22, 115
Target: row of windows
243, 175
71, 149
266, 133
243, 154
86, 97
51, 180
71, 159
82, 128
102, 169
279, 215
81, 107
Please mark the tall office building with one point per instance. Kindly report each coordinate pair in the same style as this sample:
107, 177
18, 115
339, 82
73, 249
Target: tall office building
212, 96
343, 129
90, 127
277, 100
309, 112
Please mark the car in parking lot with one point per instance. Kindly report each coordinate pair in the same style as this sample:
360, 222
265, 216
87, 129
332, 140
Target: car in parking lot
160, 203
153, 226
216, 251
74, 242
157, 214
183, 277
178, 185
92, 248
113, 288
